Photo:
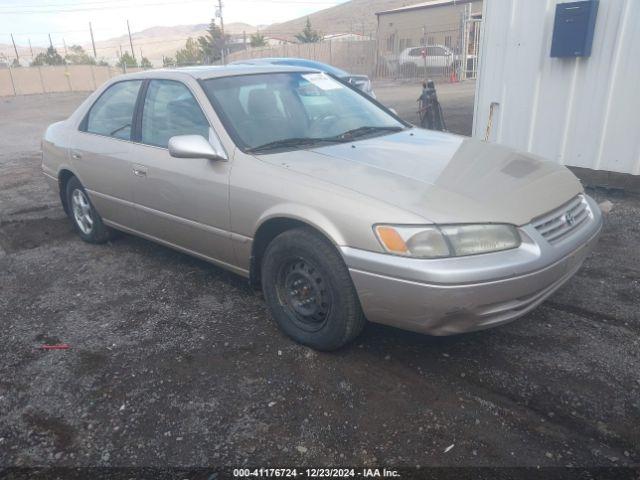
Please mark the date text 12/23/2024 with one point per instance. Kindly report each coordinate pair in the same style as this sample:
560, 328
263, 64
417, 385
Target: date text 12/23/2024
316, 472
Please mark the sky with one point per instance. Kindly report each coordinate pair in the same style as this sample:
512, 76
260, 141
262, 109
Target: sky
69, 19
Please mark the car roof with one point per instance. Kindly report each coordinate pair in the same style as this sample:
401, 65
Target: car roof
298, 62
215, 71
430, 45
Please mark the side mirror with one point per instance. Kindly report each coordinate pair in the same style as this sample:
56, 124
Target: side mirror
194, 146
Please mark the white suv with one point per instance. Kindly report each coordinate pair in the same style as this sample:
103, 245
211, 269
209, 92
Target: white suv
437, 57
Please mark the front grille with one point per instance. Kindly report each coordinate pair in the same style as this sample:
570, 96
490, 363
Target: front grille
561, 222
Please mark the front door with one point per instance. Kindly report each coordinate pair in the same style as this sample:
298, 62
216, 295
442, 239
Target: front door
181, 201
101, 153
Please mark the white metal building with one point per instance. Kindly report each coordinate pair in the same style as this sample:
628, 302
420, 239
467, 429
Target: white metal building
583, 111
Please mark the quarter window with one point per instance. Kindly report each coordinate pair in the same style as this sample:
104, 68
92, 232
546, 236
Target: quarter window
112, 113
170, 110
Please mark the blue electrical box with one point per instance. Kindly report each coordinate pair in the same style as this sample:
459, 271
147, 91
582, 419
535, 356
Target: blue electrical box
573, 29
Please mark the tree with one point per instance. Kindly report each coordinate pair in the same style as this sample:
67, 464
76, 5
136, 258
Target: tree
308, 35
77, 56
128, 60
49, 57
15, 63
145, 63
211, 43
191, 54
258, 40
168, 62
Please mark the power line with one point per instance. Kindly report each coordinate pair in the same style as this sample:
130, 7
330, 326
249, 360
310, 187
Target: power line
94, 2
110, 6
102, 5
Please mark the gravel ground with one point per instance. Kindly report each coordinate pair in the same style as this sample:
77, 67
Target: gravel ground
176, 362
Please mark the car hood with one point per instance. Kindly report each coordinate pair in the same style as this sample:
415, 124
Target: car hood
441, 177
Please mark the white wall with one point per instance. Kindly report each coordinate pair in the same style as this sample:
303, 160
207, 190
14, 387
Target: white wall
582, 112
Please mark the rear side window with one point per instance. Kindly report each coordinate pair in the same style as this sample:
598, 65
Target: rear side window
112, 114
436, 52
170, 110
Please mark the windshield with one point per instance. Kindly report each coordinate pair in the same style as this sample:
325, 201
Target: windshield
294, 110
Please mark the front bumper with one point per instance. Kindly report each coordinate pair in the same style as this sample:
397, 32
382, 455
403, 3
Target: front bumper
463, 294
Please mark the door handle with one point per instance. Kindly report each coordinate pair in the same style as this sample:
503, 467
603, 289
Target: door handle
140, 170
76, 155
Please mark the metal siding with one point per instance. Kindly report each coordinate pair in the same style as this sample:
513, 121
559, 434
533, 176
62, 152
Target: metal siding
582, 112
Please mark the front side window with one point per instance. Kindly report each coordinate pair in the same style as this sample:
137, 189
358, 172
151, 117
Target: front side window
169, 110
112, 113
301, 108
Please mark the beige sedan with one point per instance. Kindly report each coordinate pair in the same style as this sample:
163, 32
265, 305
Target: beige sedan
337, 208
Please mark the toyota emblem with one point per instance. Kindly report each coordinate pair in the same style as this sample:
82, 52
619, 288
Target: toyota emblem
569, 218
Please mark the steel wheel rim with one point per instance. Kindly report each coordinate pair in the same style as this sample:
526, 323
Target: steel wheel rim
304, 294
82, 211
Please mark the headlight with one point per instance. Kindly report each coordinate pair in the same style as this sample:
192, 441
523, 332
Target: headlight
436, 241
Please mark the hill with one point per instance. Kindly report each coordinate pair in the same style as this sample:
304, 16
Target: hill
156, 42
7, 53
357, 16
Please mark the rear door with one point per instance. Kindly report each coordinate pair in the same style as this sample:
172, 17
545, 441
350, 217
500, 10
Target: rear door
101, 152
441, 57
181, 201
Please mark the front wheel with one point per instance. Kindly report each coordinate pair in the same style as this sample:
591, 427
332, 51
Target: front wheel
309, 290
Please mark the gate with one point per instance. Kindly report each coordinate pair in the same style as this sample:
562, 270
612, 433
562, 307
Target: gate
444, 52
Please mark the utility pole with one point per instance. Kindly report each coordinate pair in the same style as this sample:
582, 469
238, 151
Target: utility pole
222, 30
64, 44
130, 41
93, 43
50, 42
31, 49
15, 49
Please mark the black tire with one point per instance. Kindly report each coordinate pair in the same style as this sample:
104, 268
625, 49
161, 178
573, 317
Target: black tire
98, 231
324, 312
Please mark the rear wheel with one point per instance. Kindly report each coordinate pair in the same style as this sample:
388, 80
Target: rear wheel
84, 216
309, 291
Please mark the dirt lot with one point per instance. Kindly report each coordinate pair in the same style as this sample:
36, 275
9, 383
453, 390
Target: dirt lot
176, 362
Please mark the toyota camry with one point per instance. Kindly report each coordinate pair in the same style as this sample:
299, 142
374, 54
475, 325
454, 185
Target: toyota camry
336, 208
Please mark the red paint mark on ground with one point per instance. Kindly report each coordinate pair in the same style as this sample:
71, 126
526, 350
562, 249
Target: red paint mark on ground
62, 346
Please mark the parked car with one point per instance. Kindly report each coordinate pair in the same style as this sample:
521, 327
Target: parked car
337, 208
438, 59
360, 81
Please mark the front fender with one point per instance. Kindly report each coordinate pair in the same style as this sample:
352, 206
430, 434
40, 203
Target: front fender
304, 214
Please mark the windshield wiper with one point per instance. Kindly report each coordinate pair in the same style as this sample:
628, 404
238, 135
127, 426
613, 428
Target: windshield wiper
360, 131
306, 141
291, 142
